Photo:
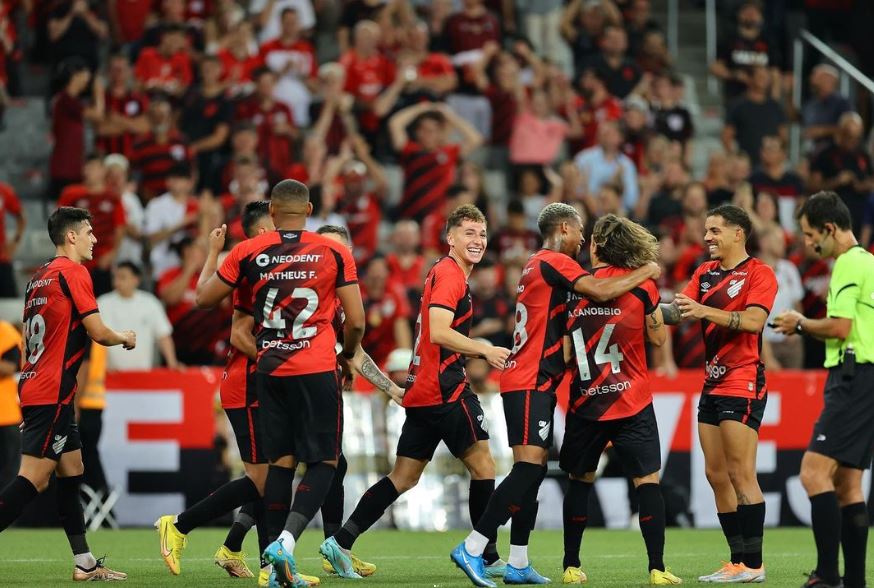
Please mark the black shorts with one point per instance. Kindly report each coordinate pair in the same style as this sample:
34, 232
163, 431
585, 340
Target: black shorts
458, 424
845, 428
713, 409
301, 416
49, 430
529, 416
247, 431
636, 439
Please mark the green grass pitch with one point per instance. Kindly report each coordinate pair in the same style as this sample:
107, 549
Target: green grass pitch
610, 558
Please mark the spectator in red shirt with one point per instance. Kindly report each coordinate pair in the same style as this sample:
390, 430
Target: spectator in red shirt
386, 310
107, 219
429, 160
293, 59
127, 19
166, 67
598, 106
470, 29
406, 264
274, 123
125, 116
515, 240
159, 150
368, 74
7, 52
76, 30
68, 124
247, 185
9, 205
240, 59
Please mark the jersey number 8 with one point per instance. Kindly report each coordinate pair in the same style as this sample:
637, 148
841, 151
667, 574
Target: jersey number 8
34, 332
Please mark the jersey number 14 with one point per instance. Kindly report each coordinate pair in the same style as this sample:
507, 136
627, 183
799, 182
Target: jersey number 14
604, 352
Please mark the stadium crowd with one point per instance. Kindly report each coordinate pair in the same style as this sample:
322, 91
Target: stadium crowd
168, 116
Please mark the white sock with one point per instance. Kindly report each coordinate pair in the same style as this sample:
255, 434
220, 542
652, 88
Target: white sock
85, 561
518, 556
287, 541
475, 544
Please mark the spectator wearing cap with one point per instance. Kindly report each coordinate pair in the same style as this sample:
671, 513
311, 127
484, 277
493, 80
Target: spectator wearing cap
171, 216
636, 131
174, 14
596, 106
167, 67
206, 120
240, 59
69, 114
9, 205
200, 336
582, 26
386, 310
272, 120
754, 116
405, 261
293, 59
620, 73
515, 240
131, 246
76, 30
270, 13
369, 74
125, 117
605, 163
107, 219
823, 108
491, 309
671, 118
776, 177
159, 150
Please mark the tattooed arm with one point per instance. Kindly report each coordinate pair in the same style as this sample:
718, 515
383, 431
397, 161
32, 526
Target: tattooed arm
368, 369
656, 333
671, 313
751, 320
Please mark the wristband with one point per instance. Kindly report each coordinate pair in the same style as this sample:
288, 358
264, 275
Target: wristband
347, 355
798, 328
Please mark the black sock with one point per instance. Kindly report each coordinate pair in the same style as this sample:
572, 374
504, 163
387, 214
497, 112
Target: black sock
523, 521
332, 509
309, 497
277, 499
508, 497
477, 499
576, 516
730, 523
652, 523
71, 514
752, 524
261, 528
17, 494
244, 521
228, 497
369, 510
825, 518
854, 541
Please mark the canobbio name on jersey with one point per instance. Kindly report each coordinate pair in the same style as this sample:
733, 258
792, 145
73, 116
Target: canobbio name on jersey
596, 311
264, 260
284, 346
607, 389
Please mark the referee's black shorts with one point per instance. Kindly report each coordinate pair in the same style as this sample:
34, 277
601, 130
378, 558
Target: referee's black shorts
845, 428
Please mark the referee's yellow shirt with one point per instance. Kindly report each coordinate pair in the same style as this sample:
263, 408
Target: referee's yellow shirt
851, 296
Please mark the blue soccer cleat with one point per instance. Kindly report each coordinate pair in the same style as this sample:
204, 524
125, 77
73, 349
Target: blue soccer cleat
526, 575
284, 566
472, 565
496, 569
339, 558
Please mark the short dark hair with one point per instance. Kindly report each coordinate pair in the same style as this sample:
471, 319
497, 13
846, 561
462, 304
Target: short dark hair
553, 215
180, 169
252, 213
290, 191
433, 115
134, 268
335, 230
463, 213
734, 215
515, 206
456, 189
64, 219
262, 71
825, 207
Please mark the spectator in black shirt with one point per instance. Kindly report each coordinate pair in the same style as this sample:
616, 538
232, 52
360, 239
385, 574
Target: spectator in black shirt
821, 112
846, 168
670, 118
754, 117
639, 22
75, 30
621, 74
582, 26
491, 309
173, 15
205, 120
775, 177
744, 50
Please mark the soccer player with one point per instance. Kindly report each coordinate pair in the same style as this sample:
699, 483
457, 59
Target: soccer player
529, 382
439, 403
842, 443
296, 277
610, 399
732, 296
60, 315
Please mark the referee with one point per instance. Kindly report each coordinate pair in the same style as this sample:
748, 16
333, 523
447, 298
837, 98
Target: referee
843, 437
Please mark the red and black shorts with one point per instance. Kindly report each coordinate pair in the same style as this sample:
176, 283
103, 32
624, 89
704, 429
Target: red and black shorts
247, 431
50, 430
529, 416
301, 416
458, 424
714, 408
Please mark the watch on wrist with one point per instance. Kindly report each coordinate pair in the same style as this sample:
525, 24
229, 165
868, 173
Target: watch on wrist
798, 328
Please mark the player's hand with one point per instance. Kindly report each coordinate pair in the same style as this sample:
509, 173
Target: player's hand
689, 309
346, 371
396, 393
497, 356
655, 270
784, 323
128, 340
217, 239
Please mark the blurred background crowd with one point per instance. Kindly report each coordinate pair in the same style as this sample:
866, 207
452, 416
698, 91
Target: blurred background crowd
166, 117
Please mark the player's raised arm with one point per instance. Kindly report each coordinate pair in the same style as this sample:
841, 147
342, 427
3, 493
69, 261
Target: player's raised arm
99, 332
444, 335
604, 289
211, 288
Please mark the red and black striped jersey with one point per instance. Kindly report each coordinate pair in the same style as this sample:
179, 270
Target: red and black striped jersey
427, 176
107, 216
237, 389
436, 374
734, 366
536, 361
608, 367
154, 159
294, 277
130, 105
57, 298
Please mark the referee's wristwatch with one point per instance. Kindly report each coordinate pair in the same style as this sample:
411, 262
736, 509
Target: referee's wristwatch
798, 328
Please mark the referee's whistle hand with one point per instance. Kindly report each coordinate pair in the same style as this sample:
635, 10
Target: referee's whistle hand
785, 322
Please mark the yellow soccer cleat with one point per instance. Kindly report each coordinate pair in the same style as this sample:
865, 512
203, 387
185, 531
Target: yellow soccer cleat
233, 562
663, 578
172, 543
574, 576
264, 577
311, 580
361, 567
99, 573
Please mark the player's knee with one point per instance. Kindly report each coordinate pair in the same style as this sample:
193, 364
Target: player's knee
849, 494
403, 482
483, 468
652, 478
814, 480
717, 477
